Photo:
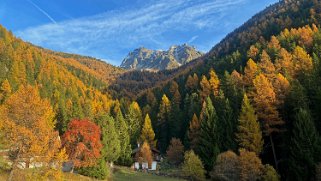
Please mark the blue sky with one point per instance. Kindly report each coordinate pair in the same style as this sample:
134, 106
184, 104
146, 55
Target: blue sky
109, 29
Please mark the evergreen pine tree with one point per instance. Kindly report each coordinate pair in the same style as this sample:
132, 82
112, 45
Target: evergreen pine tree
226, 123
134, 120
249, 134
125, 146
304, 147
208, 148
110, 138
164, 116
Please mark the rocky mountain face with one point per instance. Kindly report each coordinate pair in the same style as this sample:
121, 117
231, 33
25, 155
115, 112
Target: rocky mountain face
154, 60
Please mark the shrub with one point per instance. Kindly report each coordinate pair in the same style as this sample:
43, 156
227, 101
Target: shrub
246, 166
193, 167
270, 174
100, 171
175, 152
226, 167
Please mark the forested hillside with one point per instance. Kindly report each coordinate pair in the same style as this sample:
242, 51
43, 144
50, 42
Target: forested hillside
247, 110
257, 90
269, 108
230, 53
43, 95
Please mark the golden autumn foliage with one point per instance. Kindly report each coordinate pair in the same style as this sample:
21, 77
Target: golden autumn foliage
266, 66
282, 88
27, 125
214, 82
302, 61
265, 104
304, 34
5, 90
253, 52
148, 134
205, 87
284, 63
250, 72
145, 154
274, 43
236, 78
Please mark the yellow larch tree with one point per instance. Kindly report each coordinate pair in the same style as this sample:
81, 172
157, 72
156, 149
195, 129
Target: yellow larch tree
282, 87
214, 82
284, 63
27, 124
265, 105
205, 88
266, 66
5, 90
250, 71
253, 52
148, 134
302, 61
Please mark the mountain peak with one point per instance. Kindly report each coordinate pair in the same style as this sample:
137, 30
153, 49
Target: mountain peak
146, 59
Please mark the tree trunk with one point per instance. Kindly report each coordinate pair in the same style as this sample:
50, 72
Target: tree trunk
14, 165
11, 173
274, 154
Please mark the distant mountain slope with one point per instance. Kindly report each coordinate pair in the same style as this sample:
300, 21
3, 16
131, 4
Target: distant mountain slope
100, 69
153, 60
73, 89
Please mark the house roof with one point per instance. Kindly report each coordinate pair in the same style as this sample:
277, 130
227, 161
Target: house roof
154, 150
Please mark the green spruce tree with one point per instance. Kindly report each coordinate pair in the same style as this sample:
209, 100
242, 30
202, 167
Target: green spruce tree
208, 148
304, 147
249, 134
125, 146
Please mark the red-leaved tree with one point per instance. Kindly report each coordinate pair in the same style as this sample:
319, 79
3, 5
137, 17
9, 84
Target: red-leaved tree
82, 142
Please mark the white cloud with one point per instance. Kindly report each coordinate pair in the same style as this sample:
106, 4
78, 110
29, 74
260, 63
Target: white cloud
114, 31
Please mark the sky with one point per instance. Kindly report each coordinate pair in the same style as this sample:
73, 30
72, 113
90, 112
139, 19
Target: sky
110, 29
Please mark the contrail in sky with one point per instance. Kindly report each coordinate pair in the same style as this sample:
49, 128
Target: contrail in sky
42, 11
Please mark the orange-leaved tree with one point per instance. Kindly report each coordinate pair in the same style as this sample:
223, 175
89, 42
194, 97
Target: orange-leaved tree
82, 143
145, 154
265, 104
27, 126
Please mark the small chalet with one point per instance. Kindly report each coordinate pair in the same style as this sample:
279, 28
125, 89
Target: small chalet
144, 166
